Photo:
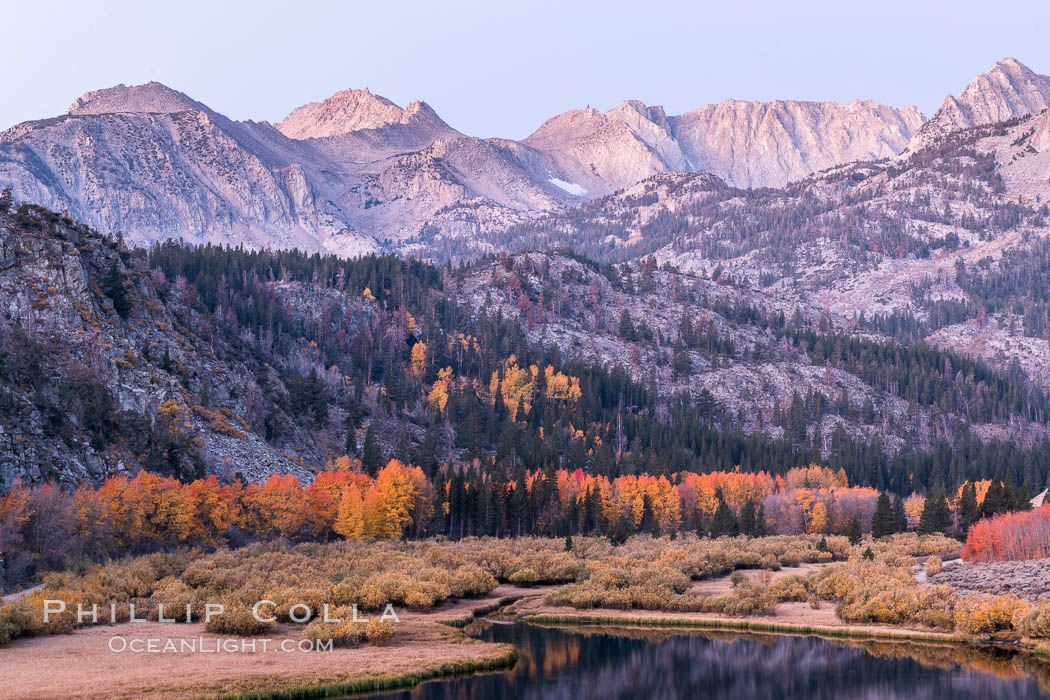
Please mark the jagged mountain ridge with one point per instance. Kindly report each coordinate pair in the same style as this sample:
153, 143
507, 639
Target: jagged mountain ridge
1010, 89
355, 172
747, 144
353, 110
122, 160
119, 161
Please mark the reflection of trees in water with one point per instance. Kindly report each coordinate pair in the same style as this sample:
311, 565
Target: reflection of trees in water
591, 664
1002, 663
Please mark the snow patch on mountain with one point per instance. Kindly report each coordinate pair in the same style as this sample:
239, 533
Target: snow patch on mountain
570, 187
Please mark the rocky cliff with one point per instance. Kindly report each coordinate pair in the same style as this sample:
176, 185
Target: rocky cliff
747, 144
1010, 89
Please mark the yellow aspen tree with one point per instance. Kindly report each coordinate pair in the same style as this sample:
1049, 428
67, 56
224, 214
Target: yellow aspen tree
818, 519
418, 362
350, 520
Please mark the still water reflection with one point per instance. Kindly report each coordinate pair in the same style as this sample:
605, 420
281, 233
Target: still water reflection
588, 664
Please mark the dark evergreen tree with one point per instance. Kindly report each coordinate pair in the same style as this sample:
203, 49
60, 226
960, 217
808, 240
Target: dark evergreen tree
996, 500
853, 532
649, 522
749, 519
968, 511
883, 523
371, 453
626, 328
318, 397
620, 531
936, 515
900, 515
723, 522
113, 286
760, 521
681, 364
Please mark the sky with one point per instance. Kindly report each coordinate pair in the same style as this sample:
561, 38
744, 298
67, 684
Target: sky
500, 68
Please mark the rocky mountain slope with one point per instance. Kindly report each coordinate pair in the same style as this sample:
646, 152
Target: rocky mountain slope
946, 244
107, 365
1010, 89
747, 144
729, 346
123, 160
356, 173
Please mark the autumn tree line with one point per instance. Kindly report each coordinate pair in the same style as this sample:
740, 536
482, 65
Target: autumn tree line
44, 527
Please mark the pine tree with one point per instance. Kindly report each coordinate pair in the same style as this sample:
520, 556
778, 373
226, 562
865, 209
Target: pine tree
682, 363
995, 500
626, 329
649, 522
853, 532
968, 510
620, 532
749, 519
701, 525
936, 516
724, 523
900, 516
883, 523
1021, 498
371, 453
317, 393
113, 286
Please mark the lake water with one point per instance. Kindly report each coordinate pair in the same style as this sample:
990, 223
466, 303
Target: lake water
599, 664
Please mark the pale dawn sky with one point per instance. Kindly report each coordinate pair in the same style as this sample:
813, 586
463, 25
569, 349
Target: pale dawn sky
502, 68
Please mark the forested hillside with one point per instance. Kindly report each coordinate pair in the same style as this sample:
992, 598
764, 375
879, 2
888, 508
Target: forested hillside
194, 361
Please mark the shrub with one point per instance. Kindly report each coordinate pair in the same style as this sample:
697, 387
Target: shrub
790, 588
471, 580
769, 562
15, 620
379, 632
748, 600
236, 619
989, 614
934, 566
1034, 623
174, 595
343, 634
524, 577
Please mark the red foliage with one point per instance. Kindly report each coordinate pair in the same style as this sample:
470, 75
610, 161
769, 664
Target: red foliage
1010, 537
